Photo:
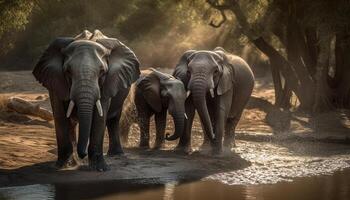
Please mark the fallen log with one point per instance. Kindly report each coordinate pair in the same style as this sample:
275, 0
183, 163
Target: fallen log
23, 106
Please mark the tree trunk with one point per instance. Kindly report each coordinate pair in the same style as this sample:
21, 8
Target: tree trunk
302, 44
285, 97
295, 74
312, 48
341, 81
297, 55
22, 106
280, 62
277, 83
322, 90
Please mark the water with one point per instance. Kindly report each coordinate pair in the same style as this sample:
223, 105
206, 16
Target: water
335, 187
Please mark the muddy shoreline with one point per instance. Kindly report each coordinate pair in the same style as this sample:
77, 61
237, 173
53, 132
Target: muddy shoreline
271, 164
146, 166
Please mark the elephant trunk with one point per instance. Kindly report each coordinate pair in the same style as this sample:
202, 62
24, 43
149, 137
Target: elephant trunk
199, 89
85, 106
179, 122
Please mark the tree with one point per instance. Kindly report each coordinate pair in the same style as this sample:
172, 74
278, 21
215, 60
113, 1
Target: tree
14, 16
305, 30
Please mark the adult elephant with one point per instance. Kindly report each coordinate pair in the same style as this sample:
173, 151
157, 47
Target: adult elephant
219, 86
88, 78
155, 93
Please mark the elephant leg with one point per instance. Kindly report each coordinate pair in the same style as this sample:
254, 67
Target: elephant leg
113, 123
160, 119
64, 146
219, 129
95, 150
115, 147
222, 106
71, 162
144, 114
185, 140
144, 122
62, 129
230, 131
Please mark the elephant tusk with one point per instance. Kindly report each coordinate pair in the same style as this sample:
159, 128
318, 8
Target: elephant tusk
188, 93
185, 115
99, 108
70, 108
212, 93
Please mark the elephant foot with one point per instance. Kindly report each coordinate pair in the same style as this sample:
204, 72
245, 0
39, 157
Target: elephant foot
217, 151
205, 146
115, 152
228, 145
229, 141
183, 149
227, 150
98, 163
144, 145
67, 162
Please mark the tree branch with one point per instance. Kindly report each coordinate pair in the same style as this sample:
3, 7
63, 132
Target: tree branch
276, 59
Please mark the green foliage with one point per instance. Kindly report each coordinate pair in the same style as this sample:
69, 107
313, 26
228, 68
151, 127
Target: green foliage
14, 16
158, 30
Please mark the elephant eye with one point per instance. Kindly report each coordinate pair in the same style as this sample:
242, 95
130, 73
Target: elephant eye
68, 72
216, 72
102, 70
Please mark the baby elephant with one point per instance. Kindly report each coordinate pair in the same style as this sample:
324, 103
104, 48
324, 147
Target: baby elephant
154, 93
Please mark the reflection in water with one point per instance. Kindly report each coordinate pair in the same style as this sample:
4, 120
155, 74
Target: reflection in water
28, 192
169, 190
336, 186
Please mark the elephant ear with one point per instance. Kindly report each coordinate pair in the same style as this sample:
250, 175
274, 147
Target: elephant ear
181, 68
49, 69
227, 73
161, 75
150, 88
123, 66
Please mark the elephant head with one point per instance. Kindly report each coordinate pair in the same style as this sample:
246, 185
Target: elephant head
160, 90
83, 70
204, 74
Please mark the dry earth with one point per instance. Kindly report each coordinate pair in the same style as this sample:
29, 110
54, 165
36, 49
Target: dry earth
293, 146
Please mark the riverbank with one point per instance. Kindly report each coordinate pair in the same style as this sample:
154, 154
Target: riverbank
272, 146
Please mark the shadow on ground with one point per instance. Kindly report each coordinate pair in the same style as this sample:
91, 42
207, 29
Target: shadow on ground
145, 165
327, 127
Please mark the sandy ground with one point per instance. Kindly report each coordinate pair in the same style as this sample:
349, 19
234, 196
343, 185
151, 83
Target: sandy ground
294, 146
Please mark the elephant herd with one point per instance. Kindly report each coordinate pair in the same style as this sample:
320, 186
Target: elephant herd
89, 77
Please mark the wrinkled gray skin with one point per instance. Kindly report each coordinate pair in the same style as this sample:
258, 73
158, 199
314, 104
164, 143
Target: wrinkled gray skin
220, 85
155, 94
91, 76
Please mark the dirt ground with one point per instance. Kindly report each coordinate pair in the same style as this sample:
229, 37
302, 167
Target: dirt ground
272, 145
